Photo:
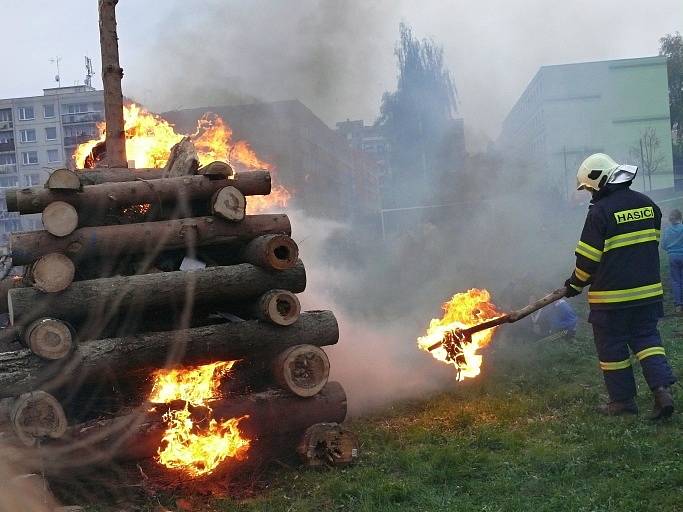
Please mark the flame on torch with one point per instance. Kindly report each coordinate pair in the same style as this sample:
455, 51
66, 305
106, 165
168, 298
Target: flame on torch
463, 310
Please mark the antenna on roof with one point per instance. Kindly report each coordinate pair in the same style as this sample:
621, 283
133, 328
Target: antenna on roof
58, 78
89, 73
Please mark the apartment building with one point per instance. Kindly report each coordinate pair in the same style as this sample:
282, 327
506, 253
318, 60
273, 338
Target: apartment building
39, 134
569, 111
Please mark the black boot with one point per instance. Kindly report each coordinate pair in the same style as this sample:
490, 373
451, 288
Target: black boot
619, 408
664, 403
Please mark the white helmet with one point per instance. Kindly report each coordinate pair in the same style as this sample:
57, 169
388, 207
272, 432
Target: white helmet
600, 169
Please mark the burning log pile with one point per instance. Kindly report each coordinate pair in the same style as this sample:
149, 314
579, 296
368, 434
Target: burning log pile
156, 319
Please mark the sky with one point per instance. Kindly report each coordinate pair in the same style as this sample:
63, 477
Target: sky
336, 56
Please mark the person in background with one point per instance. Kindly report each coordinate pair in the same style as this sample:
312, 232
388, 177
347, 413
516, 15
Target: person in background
558, 319
672, 243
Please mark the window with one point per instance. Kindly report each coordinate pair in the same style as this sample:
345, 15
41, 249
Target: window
29, 157
6, 137
9, 181
51, 133
53, 155
31, 180
77, 108
27, 135
5, 115
26, 113
8, 159
83, 130
48, 111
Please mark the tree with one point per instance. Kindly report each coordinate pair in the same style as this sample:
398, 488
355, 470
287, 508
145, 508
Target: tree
646, 152
418, 117
671, 46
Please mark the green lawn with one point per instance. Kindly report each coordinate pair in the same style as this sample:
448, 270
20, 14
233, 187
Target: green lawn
523, 436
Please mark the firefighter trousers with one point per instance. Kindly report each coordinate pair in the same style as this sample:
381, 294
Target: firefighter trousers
615, 331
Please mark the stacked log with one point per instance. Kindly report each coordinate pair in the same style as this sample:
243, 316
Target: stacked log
108, 298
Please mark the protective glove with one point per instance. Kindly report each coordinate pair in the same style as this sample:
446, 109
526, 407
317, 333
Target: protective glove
571, 291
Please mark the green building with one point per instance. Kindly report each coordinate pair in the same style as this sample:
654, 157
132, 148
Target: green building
616, 107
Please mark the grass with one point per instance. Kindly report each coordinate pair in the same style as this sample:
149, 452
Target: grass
522, 436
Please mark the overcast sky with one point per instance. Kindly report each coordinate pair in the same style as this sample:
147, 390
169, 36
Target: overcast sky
334, 55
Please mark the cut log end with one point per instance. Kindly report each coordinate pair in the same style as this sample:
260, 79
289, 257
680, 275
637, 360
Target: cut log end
63, 179
276, 252
229, 204
216, 170
60, 218
302, 370
279, 307
37, 415
52, 273
328, 444
49, 338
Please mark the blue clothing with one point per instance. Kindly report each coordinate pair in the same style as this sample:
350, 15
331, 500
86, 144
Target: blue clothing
676, 272
617, 330
672, 241
557, 317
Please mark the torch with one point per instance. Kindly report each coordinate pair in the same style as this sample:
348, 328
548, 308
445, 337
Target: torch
454, 339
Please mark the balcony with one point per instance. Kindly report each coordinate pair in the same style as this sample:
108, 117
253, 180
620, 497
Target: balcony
6, 125
8, 168
7, 146
85, 117
75, 140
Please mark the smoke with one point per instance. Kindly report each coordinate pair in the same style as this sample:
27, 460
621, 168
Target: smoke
336, 57
21, 490
376, 359
385, 292
325, 53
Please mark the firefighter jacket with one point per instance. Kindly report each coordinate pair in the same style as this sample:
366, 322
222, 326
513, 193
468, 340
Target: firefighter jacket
618, 253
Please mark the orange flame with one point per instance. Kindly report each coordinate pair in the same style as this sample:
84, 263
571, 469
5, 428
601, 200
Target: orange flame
149, 139
463, 310
196, 452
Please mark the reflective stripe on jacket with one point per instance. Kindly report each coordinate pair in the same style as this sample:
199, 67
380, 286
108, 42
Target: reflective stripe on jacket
618, 254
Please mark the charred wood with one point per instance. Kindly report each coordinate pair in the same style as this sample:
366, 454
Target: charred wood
138, 435
302, 370
32, 416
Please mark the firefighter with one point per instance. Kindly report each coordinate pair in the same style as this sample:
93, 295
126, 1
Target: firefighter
618, 257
